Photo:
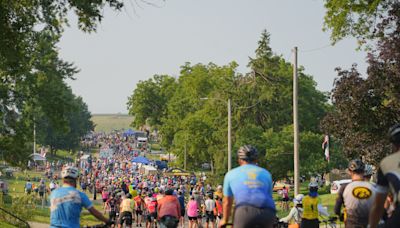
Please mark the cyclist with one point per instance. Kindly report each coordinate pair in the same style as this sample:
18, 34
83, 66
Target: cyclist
209, 206
251, 187
151, 210
126, 207
169, 210
112, 207
138, 209
192, 212
357, 197
310, 207
181, 199
296, 212
368, 172
66, 202
388, 179
285, 198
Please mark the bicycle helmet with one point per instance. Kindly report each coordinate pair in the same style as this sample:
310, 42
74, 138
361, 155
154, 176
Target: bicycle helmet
313, 186
219, 187
247, 153
69, 172
298, 199
394, 134
368, 170
356, 165
169, 191
128, 195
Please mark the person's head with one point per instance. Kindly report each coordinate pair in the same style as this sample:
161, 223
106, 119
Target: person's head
298, 200
219, 188
247, 154
169, 192
356, 169
284, 187
192, 197
313, 186
69, 175
394, 136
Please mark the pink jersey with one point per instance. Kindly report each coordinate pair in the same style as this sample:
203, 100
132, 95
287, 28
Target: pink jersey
192, 208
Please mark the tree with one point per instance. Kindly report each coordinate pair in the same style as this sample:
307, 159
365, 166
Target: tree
356, 18
149, 100
365, 108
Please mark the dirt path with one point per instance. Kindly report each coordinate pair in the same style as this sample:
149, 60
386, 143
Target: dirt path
38, 225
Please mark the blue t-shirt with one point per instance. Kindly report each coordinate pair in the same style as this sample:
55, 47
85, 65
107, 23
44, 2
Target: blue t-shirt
250, 185
66, 206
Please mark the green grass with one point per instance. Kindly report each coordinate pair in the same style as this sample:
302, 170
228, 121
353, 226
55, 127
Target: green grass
110, 122
6, 225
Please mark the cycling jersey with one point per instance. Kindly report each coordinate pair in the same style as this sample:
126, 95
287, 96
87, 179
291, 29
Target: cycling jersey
310, 207
127, 205
66, 205
138, 203
358, 198
250, 185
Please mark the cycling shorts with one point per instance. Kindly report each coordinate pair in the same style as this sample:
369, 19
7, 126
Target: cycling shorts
126, 217
248, 216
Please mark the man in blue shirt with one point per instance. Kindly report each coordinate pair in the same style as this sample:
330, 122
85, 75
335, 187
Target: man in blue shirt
66, 202
251, 187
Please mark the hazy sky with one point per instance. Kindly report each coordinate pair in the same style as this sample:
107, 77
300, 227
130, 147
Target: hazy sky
144, 40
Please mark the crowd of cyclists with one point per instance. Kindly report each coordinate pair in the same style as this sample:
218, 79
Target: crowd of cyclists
131, 198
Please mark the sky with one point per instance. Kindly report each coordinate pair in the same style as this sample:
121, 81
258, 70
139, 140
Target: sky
144, 40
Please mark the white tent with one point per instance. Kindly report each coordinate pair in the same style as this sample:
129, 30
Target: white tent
148, 169
37, 157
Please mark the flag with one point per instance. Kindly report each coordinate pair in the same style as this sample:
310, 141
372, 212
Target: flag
325, 147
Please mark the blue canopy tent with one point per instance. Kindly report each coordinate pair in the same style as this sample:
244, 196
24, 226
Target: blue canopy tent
129, 132
141, 159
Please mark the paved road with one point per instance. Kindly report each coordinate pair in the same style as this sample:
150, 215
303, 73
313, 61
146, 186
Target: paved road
38, 225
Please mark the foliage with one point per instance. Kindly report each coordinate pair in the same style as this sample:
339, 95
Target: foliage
356, 18
365, 107
32, 75
149, 99
194, 116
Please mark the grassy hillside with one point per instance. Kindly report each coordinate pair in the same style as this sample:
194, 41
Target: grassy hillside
110, 122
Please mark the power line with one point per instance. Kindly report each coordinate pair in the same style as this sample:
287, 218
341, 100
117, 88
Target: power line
316, 49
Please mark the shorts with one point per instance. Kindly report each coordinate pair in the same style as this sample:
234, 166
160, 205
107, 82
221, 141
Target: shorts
41, 194
104, 200
285, 199
126, 217
151, 216
248, 216
394, 220
192, 218
139, 212
310, 223
183, 213
210, 216
112, 215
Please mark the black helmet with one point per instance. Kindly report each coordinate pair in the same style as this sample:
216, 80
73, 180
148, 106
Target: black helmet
357, 166
129, 196
247, 153
394, 134
169, 191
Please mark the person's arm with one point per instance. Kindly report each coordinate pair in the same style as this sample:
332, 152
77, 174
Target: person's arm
339, 201
290, 216
97, 214
377, 210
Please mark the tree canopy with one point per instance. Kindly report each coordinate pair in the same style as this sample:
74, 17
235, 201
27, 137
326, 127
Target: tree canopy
195, 112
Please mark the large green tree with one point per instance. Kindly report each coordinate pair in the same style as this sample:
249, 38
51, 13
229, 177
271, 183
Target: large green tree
358, 19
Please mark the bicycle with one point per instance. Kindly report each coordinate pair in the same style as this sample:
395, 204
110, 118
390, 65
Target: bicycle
330, 222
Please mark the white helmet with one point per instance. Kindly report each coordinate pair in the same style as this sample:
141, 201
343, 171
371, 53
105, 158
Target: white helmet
313, 184
298, 199
368, 170
70, 171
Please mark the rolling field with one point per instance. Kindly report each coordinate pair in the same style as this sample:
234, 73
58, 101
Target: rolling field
110, 122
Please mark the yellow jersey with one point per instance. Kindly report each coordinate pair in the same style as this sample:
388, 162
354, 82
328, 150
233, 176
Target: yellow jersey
127, 205
310, 208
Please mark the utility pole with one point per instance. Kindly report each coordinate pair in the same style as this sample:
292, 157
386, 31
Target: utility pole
229, 136
34, 135
295, 125
184, 164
